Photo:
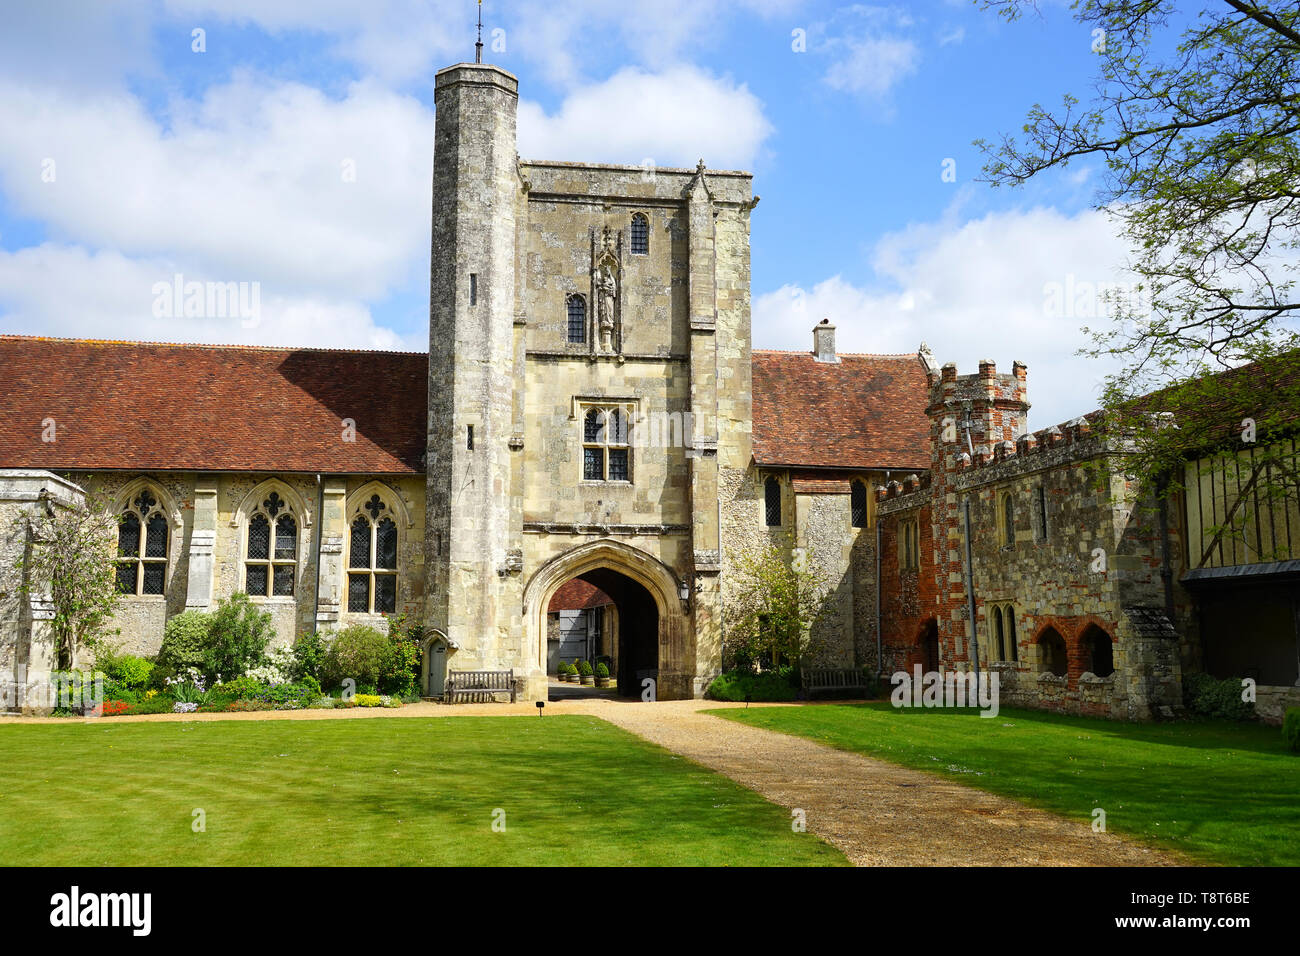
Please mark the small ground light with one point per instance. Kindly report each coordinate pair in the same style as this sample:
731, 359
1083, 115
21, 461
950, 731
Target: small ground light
540, 705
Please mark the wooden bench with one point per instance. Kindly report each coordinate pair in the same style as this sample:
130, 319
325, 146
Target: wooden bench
474, 683
820, 679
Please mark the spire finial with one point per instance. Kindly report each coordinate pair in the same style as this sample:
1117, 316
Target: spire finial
478, 45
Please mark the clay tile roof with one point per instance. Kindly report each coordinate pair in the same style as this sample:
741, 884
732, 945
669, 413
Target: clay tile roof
576, 595
152, 406
865, 411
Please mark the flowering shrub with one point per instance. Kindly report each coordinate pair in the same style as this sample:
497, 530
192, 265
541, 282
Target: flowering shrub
368, 700
184, 707
113, 708
278, 668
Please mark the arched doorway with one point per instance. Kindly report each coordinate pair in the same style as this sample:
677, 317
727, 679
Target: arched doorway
649, 623
433, 668
623, 634
928, 647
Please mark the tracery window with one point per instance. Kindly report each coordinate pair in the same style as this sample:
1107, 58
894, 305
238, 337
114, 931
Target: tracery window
639, 234
577, 329
605, 452
372, 559
271, 556
142, 542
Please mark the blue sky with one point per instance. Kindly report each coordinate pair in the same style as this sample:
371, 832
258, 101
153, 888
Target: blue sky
127, 157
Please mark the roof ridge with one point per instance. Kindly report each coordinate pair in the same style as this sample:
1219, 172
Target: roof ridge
14, 337
894, 355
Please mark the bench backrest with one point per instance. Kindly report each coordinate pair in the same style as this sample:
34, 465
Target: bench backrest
830, 678
502, 680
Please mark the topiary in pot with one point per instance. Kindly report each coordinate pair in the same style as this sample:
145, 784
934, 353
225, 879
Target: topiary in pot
602, 675
585, 673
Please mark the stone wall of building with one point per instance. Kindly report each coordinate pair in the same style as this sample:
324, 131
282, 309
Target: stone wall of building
205, 569
1062, 543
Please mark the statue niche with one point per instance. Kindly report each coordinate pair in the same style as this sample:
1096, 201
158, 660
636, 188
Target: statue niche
606, 276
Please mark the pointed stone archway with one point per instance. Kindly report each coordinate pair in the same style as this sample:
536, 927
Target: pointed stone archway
649, 581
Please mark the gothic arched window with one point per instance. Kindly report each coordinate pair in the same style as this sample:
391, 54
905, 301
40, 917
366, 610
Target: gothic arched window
577, 329
639, 234
372, 559
858, 504
271, 555
142, 541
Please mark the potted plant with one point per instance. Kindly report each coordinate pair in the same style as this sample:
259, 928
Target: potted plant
584, 673
602, 675
566, 671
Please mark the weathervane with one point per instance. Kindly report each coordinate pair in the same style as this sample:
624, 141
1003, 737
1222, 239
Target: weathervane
478, 46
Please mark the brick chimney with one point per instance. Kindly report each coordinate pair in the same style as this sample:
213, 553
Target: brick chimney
824, 342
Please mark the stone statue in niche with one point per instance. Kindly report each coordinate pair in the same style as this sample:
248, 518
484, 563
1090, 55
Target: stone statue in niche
607, 287
606, 268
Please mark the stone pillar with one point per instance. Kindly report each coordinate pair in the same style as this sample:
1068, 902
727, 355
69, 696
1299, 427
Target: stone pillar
203, 539
333, 531
473, 577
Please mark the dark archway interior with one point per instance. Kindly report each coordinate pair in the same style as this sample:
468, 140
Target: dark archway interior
930, 647
638, 628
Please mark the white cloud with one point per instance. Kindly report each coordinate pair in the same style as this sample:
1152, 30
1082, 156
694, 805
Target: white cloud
672, 118
869, 49
1015, 285
62, 290
246, 184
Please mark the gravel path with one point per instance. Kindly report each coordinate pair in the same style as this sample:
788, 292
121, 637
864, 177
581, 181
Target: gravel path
876, 813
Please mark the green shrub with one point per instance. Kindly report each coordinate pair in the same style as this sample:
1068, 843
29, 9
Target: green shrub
1206, 696
128, 671
238, 634
158, 704
584, 668
358, 652
400, 673
297, 696
309, 653
116, 690
741, 685
185, 638
602, 670
1291, 729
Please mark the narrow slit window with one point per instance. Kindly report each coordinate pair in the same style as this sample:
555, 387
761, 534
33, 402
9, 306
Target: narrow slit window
772, 502
473, 288
858, 504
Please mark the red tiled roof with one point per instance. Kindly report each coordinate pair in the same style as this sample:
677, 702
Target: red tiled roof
151, 406
577, 594
865, 411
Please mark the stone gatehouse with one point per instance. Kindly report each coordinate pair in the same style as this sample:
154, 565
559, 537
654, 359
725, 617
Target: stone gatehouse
591, 409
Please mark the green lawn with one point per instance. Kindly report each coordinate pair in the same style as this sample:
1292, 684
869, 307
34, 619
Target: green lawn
1219, 792
379, 791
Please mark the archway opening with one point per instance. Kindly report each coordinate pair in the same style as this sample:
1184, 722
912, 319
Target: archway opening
928, 647
1098, 651
604, 617
1051, 653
